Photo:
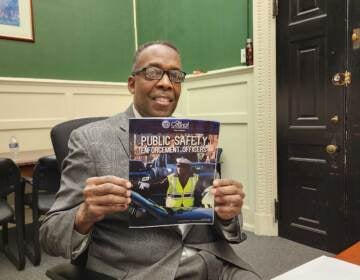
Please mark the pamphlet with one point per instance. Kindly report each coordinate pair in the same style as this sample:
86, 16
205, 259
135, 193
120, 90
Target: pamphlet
172, 166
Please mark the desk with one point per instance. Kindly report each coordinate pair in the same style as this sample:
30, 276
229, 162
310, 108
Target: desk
351, 254
26, 160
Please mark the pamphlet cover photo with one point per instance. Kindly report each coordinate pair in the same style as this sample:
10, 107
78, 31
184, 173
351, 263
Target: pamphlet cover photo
172, 166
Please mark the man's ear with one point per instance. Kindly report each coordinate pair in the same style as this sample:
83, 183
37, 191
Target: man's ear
131, 84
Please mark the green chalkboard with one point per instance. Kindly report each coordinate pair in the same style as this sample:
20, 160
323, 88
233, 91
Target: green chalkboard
75, 40
209, 33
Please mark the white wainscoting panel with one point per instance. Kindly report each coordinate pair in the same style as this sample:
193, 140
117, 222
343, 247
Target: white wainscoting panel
29, 108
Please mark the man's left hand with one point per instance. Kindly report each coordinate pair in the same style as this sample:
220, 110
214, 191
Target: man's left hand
228, 195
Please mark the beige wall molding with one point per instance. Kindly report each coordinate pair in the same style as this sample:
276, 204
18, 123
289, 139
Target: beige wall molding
265, 117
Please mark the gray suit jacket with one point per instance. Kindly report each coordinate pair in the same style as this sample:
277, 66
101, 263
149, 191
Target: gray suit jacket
98, 149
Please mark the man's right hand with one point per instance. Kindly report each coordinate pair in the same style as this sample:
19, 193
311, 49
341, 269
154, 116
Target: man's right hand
102, 196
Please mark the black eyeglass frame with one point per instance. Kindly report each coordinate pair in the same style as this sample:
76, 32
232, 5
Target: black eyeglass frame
167, 72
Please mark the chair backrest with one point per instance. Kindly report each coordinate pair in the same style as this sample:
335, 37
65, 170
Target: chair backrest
10, 177
60, 134
46, 174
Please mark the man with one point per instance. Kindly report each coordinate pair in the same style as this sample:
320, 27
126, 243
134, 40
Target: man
181, 185
91, 206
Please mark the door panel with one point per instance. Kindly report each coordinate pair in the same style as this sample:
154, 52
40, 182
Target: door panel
305, 9
307, 89
311, 181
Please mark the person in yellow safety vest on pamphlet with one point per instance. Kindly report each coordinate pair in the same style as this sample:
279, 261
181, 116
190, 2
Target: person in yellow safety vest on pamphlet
182, 184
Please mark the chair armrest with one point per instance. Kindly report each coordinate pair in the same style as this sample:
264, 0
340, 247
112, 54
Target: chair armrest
67, 271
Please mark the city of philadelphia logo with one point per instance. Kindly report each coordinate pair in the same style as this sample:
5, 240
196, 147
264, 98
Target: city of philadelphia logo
175, 124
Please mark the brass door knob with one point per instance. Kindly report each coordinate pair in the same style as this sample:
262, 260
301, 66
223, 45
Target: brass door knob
342, 79
355, 37
331, 149
334, 119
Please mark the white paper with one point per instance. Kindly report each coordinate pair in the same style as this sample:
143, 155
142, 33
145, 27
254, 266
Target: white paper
323, 268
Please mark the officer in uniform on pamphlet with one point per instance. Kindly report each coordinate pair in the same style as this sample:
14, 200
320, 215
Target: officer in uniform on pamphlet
182, 184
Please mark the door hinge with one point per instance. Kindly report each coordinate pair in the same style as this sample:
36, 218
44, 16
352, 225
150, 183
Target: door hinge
275, 8
342, 79
277, 210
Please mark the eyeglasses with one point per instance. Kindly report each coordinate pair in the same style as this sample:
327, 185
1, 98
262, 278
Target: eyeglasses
154, 73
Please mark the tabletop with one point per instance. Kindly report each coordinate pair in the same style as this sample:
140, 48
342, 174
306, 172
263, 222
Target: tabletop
27, 157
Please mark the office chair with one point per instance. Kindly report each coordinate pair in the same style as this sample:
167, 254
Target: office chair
45, 184
11, 182
77, 268
60, 135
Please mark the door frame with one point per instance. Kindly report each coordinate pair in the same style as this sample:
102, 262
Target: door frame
265, 118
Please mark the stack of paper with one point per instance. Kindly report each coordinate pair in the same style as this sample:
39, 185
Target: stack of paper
323, 268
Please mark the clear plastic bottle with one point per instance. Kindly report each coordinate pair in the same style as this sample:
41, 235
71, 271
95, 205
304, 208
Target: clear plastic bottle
14, 147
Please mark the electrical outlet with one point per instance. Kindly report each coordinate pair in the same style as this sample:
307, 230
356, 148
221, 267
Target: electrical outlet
243, 56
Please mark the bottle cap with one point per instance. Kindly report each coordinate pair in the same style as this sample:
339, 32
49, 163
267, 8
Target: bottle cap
248, 40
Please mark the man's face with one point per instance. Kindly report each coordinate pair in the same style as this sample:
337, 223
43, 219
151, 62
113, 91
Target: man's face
156, 98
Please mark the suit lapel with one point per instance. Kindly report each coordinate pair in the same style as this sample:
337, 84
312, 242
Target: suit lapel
122, 122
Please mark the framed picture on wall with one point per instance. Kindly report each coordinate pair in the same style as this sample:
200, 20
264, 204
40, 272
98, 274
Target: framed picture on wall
16, 20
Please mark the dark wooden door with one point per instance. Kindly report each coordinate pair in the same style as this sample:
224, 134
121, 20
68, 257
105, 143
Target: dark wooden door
353, 123
311, 48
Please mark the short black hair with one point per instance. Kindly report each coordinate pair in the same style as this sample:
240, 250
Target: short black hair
148, 44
